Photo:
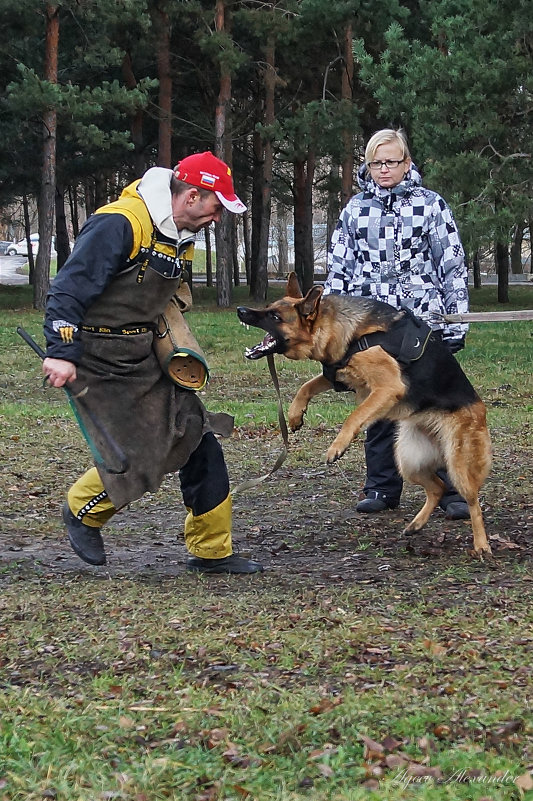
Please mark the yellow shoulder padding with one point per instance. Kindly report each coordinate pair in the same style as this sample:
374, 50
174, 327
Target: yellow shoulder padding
131, 206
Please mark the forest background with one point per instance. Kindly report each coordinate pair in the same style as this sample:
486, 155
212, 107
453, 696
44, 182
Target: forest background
93, 92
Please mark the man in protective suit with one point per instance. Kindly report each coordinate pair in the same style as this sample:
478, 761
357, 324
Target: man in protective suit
101, 319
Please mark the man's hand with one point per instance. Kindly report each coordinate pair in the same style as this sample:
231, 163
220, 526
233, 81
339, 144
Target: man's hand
59, 372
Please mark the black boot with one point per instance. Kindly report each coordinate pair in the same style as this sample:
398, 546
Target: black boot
456, 510
229, 564
452, 504
86, 541
376, 502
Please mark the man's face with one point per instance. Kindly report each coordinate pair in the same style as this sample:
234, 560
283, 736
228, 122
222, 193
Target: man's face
194, 211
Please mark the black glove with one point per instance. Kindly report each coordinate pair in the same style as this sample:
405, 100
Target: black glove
455, 345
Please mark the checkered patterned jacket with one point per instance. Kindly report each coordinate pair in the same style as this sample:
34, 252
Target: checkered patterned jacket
400, 246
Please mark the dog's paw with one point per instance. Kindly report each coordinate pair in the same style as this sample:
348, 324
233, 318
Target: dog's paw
338, 448
295, 423
334, 454
295, 418
484, 555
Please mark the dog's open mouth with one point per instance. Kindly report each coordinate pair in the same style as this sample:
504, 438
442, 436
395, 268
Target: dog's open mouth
265, 348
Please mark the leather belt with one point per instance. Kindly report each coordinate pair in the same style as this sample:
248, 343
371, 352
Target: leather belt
143, 328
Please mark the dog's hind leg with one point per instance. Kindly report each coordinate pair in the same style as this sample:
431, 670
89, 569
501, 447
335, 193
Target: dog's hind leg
419, 457
467, 449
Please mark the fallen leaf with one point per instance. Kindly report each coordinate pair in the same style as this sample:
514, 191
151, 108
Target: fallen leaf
434, 648
525, 781
372, 749
241, 790
421, 770
390, 743
216, 736
324, 705
394, 761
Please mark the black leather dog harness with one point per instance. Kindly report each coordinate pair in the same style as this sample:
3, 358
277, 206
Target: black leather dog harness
405, 341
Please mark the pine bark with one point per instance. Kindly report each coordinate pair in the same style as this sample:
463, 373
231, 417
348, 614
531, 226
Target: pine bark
48, 175
223, 229
162, 25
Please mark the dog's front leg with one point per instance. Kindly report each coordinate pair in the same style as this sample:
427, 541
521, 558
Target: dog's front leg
300, 402
376, 374
373, 408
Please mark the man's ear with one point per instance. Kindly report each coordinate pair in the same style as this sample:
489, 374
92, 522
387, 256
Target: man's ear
192, 195
310, 304
293, 286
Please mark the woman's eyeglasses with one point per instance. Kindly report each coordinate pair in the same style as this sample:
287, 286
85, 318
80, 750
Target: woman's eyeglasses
390, 164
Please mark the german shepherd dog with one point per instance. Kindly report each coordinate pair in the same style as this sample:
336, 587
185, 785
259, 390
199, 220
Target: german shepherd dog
441, 419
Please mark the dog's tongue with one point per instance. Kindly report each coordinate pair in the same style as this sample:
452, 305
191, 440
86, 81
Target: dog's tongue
268, 345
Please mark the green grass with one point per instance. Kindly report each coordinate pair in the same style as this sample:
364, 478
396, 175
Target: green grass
138, 691
270, 688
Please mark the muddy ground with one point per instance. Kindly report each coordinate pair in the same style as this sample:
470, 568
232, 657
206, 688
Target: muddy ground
300, 523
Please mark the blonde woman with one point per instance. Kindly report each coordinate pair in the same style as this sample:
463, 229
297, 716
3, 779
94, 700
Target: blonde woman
397, 242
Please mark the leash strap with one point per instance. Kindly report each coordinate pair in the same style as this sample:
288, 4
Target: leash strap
253, 482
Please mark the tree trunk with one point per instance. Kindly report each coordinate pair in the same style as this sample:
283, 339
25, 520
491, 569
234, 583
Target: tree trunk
223, 236
208, 257
101, 194
223, 241
89, 191
283, 242
304, 170
48, 175
502, 271
347, 94
259, 287
234, 250
27, 231
163, 30
136, 125
333, 202
73, 204
516, 248
476, 268
246, 235
257, 205
62, 241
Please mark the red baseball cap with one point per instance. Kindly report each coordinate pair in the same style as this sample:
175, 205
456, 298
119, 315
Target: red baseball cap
204, 170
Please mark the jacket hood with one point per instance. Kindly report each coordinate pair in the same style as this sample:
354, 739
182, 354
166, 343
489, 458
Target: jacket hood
154, 188
412, 180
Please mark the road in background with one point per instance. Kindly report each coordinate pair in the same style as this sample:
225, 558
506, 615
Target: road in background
10, 264
8, 270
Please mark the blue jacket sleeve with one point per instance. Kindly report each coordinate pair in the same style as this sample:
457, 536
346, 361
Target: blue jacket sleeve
101, 251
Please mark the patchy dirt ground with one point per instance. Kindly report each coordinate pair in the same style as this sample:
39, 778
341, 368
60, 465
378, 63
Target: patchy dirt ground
300, 523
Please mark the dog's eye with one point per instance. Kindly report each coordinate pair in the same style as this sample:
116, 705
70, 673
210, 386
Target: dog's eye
275, 316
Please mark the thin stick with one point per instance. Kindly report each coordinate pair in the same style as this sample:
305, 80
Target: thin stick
484, 317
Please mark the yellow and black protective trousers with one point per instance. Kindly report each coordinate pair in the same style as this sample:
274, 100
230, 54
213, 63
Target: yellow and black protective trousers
205, 487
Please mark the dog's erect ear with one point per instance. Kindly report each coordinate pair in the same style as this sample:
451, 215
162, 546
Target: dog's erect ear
293, 286
309, 306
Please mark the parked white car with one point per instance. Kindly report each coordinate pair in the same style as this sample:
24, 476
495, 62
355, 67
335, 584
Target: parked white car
20, 248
